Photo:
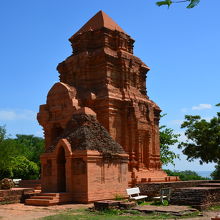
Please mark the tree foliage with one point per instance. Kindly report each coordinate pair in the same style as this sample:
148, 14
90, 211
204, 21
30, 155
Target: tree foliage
32, 146
185, 175
216, 173
203, 138
23, 168
190, 3
19, 157
2, 133
167, 139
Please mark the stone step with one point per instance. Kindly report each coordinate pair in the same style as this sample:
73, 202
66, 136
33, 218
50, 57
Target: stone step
209, 185
40, 202
42, 197
49, 194
47, 199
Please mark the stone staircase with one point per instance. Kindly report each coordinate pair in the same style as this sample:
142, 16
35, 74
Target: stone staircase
48, 199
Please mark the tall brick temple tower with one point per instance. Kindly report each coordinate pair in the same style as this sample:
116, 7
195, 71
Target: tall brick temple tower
111, 81
99, 108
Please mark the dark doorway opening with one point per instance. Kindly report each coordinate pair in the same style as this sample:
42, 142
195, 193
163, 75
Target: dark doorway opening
61, 170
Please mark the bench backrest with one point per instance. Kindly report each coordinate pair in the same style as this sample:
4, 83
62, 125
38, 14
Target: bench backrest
132, 191
165, 191
16, 181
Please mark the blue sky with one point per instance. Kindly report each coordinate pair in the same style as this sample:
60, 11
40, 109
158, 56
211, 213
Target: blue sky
181, 47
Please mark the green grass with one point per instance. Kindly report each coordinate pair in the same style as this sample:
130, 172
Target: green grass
119, 197
214, 208
112, 215
6, 202
157, 203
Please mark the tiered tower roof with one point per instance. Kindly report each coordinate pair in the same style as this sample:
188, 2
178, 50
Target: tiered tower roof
98, 21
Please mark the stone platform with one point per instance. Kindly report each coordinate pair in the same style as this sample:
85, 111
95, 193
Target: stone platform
113, 204
198, 197
171, 209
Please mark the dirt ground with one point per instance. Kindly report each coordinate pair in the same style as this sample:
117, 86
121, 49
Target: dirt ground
24, 212
20, 211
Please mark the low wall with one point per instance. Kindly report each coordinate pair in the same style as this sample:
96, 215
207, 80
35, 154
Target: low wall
197, 197
153, 189
14, 195
36, 184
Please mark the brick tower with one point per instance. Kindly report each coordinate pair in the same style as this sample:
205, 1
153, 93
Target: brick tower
110, 80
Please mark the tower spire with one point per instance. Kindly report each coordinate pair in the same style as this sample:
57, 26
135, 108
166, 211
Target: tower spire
98, 21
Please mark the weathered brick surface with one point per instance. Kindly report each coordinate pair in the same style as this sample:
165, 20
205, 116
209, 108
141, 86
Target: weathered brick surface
14, 195
197, 197
111, 204
153, 189
127, 205
36, 184
106, 204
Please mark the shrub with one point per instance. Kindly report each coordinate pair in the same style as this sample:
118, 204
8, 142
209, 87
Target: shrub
6, 183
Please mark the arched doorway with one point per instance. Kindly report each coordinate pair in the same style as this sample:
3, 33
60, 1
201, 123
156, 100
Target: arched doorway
61, 170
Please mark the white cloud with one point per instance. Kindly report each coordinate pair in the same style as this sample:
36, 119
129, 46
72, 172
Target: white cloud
10, 115
202, 106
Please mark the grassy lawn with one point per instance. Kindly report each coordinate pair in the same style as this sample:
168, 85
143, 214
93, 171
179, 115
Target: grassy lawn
111, 215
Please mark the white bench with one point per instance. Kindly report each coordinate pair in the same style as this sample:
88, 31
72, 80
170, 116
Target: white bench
165, 193
134, 194
16, 181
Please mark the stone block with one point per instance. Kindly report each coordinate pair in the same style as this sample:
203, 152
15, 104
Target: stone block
106, 204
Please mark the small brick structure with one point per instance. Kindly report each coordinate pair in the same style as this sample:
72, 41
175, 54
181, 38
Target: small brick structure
198, 197
84, 162
15, 195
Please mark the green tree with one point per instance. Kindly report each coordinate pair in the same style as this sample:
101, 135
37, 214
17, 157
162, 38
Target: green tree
24, 168
216, 173
191, 3
167, 139
8, 149
203, 140
32, 147
20, 156
2, 133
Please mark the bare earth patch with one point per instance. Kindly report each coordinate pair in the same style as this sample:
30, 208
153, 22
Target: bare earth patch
20, 211
23, 212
